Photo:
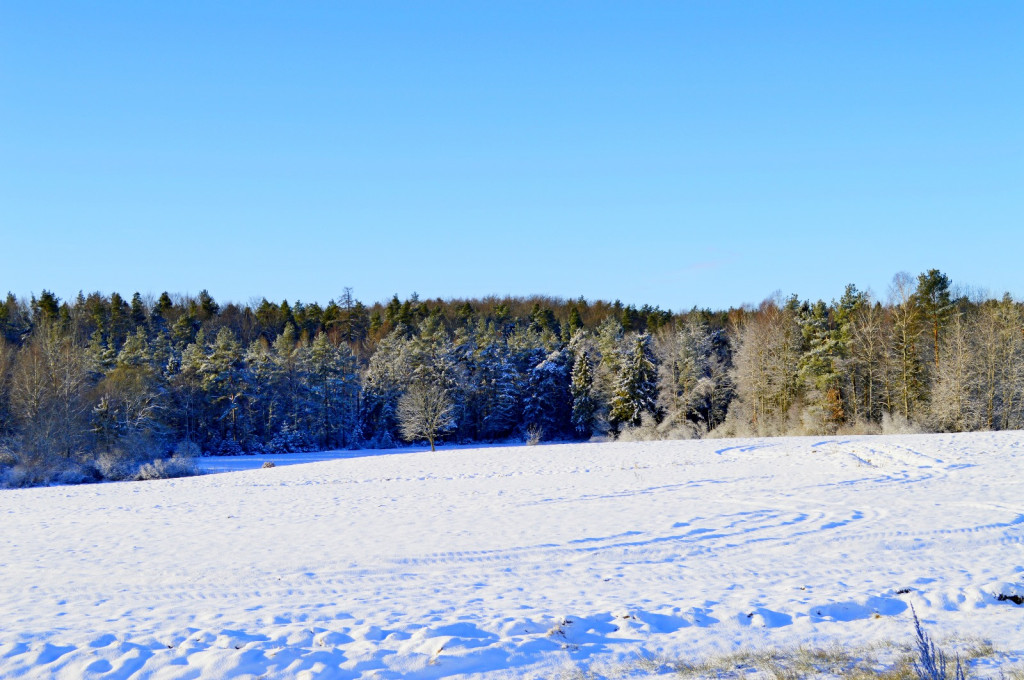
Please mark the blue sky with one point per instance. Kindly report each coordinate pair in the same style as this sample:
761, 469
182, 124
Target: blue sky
679, 154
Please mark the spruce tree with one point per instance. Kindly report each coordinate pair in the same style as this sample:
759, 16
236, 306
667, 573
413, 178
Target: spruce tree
584, 405
332, 382
636, 392
547, 406
818, 368
224, 381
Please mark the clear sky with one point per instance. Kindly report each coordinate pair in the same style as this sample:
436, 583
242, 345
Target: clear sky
679, 153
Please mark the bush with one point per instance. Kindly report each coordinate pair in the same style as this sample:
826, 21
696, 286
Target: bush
650, 430
187, 449
167, 468
22, 471
290, 441
227, 447
897, 424
116, 465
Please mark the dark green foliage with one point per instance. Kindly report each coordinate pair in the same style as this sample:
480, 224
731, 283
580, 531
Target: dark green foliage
933, 297
140, 377
584, 400
46, 308
547, 406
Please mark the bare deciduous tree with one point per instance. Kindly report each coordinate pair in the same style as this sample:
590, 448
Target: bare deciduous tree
766, 368
425, 411
907, 330
48, 389
954, 388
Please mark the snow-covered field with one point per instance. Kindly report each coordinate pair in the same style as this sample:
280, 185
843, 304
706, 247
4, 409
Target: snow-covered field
516, 562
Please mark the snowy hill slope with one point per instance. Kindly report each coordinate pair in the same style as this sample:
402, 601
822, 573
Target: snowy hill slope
515, 562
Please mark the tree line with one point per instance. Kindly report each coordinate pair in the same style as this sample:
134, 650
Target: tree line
108, 387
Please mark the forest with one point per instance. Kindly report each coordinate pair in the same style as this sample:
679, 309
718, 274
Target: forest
104, 387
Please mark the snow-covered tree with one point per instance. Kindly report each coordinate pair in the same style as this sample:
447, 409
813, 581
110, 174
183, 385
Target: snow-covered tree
818, 369
547, 402
224, 381
695, 386
766, 364
425, 412
636, 391
333, 385
497, 390
584, 405
908, 379
954, 396
384, 381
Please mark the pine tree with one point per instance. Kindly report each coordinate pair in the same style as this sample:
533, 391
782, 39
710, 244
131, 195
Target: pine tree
932, 295
224, 381
262, 404
102, 358
575, 322
186, 380
289, 379
126, 417
46, 309
907, 329
138, 312
120, 322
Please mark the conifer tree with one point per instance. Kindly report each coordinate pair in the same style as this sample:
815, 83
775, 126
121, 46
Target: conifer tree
288, 378
636, 392
138, 312
575, 322
584, 405
907, 329
7, 352
547, 406
818, 368
695, 387
932, 295
497, 387
126, 415
332, 382
224, 381
46, 309
384, 381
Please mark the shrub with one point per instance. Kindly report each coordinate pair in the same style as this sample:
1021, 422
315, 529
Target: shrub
187, 449
289, 441
166, 468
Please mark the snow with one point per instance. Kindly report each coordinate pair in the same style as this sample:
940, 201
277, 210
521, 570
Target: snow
509, 562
